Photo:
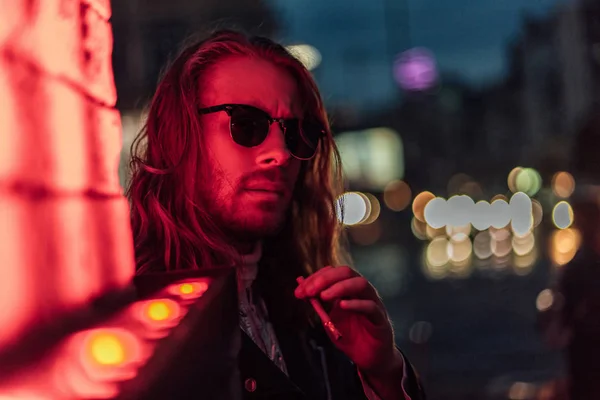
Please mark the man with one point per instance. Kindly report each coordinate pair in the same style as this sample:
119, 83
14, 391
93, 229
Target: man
236, 165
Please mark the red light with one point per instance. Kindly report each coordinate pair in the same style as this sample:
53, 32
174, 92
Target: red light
157, 316
189, 289
159, 310
186, 288
109, 353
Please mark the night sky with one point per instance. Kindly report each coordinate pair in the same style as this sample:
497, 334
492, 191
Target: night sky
471, 39
467, 37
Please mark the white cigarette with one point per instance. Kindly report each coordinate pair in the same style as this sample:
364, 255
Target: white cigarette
322, 314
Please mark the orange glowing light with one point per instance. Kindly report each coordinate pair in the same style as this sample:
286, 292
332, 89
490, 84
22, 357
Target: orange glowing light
159, 315
158, 311
102, 355
397, 195
564, 245
419, 204
107, 349
563, 184
186, 288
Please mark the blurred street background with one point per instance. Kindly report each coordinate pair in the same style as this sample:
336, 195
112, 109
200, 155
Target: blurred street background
464, 101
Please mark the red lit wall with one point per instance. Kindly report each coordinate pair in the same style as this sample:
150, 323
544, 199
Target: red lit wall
64, 228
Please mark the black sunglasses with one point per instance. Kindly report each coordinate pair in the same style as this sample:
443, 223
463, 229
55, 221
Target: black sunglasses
249, 127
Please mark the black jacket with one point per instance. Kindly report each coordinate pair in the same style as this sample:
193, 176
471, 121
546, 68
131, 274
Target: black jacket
317, 369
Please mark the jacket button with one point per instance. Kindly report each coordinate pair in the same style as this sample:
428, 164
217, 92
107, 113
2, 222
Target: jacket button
250, 384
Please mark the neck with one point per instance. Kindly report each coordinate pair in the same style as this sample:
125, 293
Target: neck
245, 247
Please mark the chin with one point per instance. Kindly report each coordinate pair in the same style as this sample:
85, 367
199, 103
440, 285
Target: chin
256, 226
265, 228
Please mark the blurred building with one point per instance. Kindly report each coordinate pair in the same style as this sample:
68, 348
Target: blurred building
148, 32
440, 130
358, 41
556, 62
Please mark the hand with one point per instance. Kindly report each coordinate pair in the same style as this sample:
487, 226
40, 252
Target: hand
358, 313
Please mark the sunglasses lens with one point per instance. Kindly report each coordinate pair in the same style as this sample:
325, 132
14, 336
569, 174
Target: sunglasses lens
302, 139
249, 127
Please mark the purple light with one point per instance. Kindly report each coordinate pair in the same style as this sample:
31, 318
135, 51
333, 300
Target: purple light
415, 69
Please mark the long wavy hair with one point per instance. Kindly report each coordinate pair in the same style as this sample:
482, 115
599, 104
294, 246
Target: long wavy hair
171, 228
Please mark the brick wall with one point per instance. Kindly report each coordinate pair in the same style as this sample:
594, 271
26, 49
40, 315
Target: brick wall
64, 230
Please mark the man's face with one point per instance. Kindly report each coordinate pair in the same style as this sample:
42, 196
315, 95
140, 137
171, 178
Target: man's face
241, 198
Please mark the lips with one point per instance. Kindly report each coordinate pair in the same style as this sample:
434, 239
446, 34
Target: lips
268, 188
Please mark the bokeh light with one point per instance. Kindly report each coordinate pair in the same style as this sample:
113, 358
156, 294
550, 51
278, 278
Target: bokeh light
562, 215
161, 314
461, 269
436, 212
459, 210
373, 157
537, 211
499, 197
158, 311
108, 354
459, 251
521, 214
523, 265
419, 204
523, 245
458, 233
499, 234
107, 349
482, 247
499, 214
521, 391
308, 55
563, 245
501, 243
528, 180
397, 195
563, 184
512, 179
419, 229
481, 215
432, 233
437, 252
189, 290
415, 70
471, 189
366, 234
375, 208
352, 208
186, 288
544, 300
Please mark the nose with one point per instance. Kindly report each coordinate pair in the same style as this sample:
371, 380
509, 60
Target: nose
273, 151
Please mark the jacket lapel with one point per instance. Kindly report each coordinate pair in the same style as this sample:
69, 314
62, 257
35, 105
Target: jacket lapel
304, 362
261, 378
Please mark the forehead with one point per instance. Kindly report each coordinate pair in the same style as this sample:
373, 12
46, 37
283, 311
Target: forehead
252, 81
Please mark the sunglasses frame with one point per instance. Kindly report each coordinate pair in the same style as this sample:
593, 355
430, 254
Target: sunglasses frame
229, 108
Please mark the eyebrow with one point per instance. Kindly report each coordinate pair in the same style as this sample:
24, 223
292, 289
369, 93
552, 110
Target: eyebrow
262, 106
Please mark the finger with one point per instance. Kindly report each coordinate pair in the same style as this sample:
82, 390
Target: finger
322, 279
302, 279
368, 308
357, 287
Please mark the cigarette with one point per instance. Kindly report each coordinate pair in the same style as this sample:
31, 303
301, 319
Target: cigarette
322, 314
